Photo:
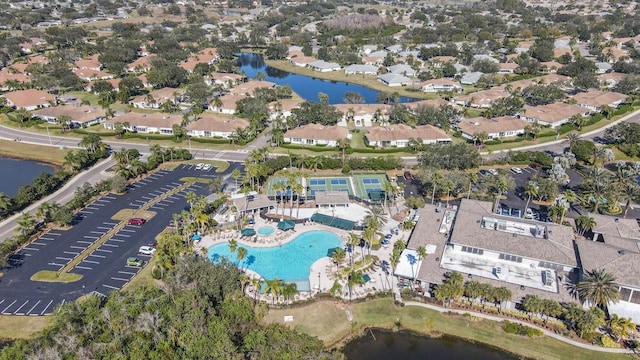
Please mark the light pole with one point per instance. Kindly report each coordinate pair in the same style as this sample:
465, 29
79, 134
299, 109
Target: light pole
319, 288
49, 135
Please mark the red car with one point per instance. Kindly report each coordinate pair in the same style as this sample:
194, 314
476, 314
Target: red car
136, 221
407, 176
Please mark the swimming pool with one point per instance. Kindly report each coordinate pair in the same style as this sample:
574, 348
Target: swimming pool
290, 262
266, 230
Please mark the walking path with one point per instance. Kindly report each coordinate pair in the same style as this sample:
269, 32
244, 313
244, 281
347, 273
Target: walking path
499, 319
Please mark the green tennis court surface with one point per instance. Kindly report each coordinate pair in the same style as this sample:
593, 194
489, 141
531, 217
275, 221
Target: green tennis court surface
357, 185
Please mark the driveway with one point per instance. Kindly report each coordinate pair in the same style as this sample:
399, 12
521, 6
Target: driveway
105, 268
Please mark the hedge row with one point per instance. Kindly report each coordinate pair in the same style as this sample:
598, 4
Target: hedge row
513, 328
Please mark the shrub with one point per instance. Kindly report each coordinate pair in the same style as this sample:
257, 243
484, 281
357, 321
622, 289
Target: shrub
513, 328
346, 169
608, 342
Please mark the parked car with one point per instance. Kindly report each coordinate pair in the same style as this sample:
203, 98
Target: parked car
493, 172
146, 250
407, 176
199, 166
136, 221
206, 167
516, 170
134, 261
528, 213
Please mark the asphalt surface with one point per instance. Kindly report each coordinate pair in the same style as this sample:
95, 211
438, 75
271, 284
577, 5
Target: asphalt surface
105, 269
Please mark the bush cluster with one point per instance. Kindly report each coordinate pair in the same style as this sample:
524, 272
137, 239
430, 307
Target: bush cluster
513, 328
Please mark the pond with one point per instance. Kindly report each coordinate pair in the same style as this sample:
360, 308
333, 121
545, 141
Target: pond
409, 346
305, 86
19, 172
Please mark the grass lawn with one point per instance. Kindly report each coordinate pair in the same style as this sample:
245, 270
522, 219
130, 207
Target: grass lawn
357, 140
19, 150
21, 327
126, 214
329, 323
53, 276
142, 278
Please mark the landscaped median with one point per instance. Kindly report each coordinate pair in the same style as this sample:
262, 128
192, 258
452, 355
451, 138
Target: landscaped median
328, 321
54, 276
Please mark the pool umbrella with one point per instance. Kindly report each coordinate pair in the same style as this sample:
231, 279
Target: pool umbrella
286, 225
247, 232
196, 237
331, 251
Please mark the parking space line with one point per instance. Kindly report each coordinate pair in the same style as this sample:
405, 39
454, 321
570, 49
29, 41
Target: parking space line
98, 256
127, 230
119, 279
45, 309
103, 227
110, 245
91, 261
147, 198
83, 267
108, 223
63, 258
109, 197
55, 264
104, 250
103, 200
126, 272
169, 201
98, 232
28, 248
25, 254
140, 201
37, 243
45, 238
10, 305
133, 267
90, 237
33, 307
125, 235
91, 208
86, 212
71, 252
110, 287
77, 247
84, 242
54, 234
20, 308
116, 240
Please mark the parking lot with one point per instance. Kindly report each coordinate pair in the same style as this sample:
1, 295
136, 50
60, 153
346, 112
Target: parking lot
105, 268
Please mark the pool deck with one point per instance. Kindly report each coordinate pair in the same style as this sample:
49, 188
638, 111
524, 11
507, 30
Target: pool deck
322, 272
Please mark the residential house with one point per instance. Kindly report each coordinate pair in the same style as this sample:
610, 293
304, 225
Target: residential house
440, 85
471, 78
114, 82
550, 66
495, 128
594, 99
156, 98
439, 102
248, 88
297, 58
480, 99
615, 54
394, 80
91, 74
402, 69
80, 116
615, 249
316, 134
558, 52
227, 104
438, 61
484, 57
368, 48
282, 108
357, 69
610, 80
7, 77
215, 126
394, 48
398, 135
528, 257
323, 66
30, 99
603, 67
226, 80
554, 114
507, 68
155, 123
363, 114
90, 63
548, 79
141, 65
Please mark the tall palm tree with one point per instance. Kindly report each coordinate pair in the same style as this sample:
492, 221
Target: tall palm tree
354, 278
531, 190
233, 245
501, 186
298, 190
501, 294
596, 188
473, 178
278, 187
436, 179
375, 216
585, 223
235, 175
569, 197
338, 257
572, 139
599, 288
621, 327
240, 255
274, 287
625, 181
26, 224
289, 290
354, 240
394, 260
5, 202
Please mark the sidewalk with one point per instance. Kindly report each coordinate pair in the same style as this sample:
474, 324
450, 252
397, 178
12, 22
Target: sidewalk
499, 319
92, 175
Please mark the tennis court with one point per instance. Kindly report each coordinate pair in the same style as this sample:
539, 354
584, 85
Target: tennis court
365, 184
329, 184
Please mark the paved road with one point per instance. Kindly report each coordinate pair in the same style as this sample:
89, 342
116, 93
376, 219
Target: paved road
11, 134
545, 331
105, 268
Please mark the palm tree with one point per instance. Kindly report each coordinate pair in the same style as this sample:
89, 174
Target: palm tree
278, 188
436, 179
599, 288
448, 186
354, 240
472, 290
531, 190
473, 178
501, 294
621, 327
394, 260
585, 223
274, 287
480, 137
625, 180
354, 278
289, 290
313, 162
240, 255
5, 202
569, 197
298, 190
596, 188
375, 216
233, 245
236, 174
342, 145
26, 224
572, 139
338, 257
501, 187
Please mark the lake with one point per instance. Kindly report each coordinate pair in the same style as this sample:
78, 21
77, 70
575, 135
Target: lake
305, 86
18, 173
408, 346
